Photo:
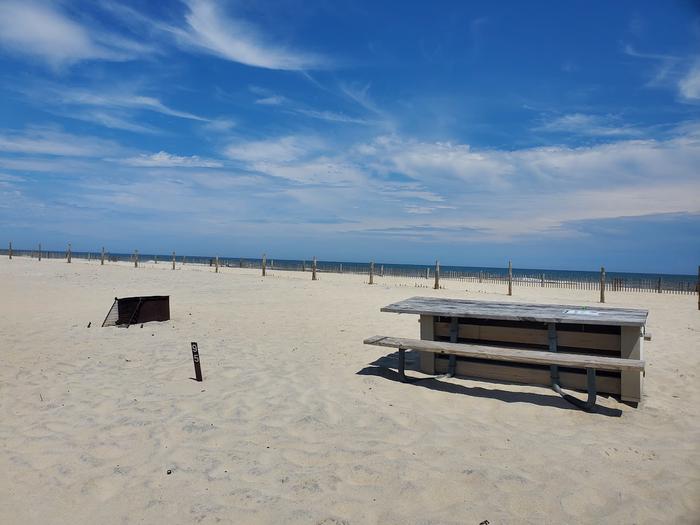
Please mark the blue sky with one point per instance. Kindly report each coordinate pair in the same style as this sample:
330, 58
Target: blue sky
565, 135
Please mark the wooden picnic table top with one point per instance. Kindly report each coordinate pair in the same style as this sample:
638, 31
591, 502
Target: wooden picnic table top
546, 313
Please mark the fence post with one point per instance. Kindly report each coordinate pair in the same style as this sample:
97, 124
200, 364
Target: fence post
9, 252
313, 269
240, 262
341, 268
542, 281
658, 286
371, 272
381, 270
70, 253
102, 257
602, 284
303, 266
136, 258
510, 277
436, 286
217, 264
173, 260
697, 287
264, 264
40, 251
155, 259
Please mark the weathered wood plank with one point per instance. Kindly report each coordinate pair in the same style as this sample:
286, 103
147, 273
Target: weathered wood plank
547, 313
512, 373
507, 334
517, 355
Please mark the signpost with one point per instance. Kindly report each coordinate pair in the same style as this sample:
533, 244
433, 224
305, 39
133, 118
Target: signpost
197, 366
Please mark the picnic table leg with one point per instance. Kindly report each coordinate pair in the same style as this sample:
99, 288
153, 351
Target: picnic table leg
402, 364
552, 335
427, 333
587, 405
631, 342
554, 374
454, 336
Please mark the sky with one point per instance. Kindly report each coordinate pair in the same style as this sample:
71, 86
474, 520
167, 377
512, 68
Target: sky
556, 134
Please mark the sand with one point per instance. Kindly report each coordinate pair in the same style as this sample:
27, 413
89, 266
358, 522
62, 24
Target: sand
295, 424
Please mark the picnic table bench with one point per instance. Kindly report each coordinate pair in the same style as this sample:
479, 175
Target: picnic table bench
590, 349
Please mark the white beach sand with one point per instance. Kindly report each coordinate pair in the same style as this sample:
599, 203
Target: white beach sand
286, 428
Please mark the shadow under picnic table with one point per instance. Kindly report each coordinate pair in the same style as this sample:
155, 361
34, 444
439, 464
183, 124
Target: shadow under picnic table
386, 366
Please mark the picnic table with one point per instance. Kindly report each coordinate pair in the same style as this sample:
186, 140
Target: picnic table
577, 330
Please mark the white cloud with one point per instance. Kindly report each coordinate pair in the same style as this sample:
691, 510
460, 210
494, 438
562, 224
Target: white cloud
590, 125
689, 85
277, 150
163, 159
47, 141
274, 100
331, 116
211, 30
41, 30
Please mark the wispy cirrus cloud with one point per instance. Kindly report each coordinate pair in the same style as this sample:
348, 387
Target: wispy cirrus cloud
53, 142
589, 125
43, 30
210, 29
270, 98
115, 108
120, 100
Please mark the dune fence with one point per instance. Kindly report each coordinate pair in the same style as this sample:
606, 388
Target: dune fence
432, 276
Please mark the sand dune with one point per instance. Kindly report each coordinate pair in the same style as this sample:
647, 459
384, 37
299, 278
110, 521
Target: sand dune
296, 423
